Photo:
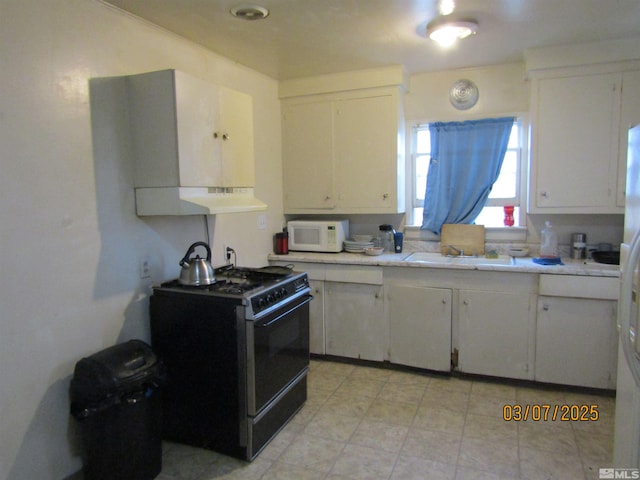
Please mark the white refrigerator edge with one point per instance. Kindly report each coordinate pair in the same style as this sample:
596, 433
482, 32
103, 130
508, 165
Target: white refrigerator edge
626, 452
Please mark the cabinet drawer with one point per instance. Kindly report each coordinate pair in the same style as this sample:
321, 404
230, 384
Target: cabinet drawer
314, 271
354, 274
603, 288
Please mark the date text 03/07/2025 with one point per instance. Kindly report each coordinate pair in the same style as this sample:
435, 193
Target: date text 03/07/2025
550, 413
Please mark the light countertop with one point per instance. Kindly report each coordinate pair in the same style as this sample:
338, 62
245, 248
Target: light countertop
517, 265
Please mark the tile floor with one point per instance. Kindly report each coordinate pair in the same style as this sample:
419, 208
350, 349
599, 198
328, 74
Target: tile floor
380, 423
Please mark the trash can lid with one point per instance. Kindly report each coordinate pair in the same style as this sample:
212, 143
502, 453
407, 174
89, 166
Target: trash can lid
121, 368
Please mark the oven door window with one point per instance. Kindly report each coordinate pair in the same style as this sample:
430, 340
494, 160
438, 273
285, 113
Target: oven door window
280, 350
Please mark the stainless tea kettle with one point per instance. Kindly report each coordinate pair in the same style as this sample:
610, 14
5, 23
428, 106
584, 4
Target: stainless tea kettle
196, 271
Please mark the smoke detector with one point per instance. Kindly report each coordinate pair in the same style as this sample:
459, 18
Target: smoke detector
249, 12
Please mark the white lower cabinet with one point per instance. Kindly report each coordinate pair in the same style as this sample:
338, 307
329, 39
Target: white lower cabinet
354, 320
316, 318
576, 338
549, 328
419, 326
495, 333
576, 342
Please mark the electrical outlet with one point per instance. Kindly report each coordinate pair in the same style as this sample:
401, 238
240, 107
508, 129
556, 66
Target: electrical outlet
262, 221
145, 267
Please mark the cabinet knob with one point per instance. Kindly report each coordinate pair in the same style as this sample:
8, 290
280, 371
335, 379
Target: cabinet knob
444, 302
225, 136
385, 196
544, 194
545, 307
465, 302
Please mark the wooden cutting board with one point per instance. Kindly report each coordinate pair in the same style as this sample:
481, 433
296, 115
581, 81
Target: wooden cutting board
469, 238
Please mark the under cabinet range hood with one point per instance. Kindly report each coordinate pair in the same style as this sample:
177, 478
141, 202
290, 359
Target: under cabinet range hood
195, 201
192, 142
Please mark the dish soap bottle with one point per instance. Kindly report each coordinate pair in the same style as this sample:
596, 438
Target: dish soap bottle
548, 241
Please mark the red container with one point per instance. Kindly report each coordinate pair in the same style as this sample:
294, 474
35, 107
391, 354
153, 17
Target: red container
508, 216
282, 243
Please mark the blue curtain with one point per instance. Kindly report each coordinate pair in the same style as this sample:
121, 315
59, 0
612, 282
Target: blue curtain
466, 158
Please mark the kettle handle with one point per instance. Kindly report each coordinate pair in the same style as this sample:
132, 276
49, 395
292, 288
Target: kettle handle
185, 259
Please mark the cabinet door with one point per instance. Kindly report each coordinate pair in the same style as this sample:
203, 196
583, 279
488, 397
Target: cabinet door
495, 334
215, 134
197, 119
576, 342
308, 156
316, 317
575, 144
366, 152
419, 326
236, 138
354, 321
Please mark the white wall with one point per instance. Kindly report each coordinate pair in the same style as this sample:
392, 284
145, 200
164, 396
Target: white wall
503, 89
70, 240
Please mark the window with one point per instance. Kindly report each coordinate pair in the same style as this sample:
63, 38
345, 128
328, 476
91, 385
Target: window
506, 190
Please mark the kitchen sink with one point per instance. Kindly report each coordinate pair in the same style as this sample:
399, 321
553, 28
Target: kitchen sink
501, 260
426, 257
433, 257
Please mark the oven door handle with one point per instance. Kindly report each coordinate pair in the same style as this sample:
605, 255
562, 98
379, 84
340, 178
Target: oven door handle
306, 300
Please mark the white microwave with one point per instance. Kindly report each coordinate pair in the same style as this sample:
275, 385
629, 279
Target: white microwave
317, 235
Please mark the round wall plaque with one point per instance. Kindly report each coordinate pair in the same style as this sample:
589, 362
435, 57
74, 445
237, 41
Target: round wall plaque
463, 94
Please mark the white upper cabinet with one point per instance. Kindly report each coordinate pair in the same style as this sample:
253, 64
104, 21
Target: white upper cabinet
366, 153
343, 153
574, 163
190, 133
308, 156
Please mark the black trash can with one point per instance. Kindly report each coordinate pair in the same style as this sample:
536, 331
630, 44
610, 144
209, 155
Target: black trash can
114, 395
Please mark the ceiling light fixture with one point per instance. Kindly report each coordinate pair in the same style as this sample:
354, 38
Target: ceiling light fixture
446, 32
249, 12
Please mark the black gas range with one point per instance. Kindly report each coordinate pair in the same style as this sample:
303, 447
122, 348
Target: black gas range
260, 289
237, 356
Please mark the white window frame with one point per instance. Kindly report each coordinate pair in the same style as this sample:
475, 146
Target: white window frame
497, 233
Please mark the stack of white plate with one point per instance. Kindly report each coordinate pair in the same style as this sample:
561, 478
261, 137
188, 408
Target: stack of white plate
353, 246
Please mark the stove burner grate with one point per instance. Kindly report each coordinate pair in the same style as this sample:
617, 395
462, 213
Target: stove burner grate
232, 280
